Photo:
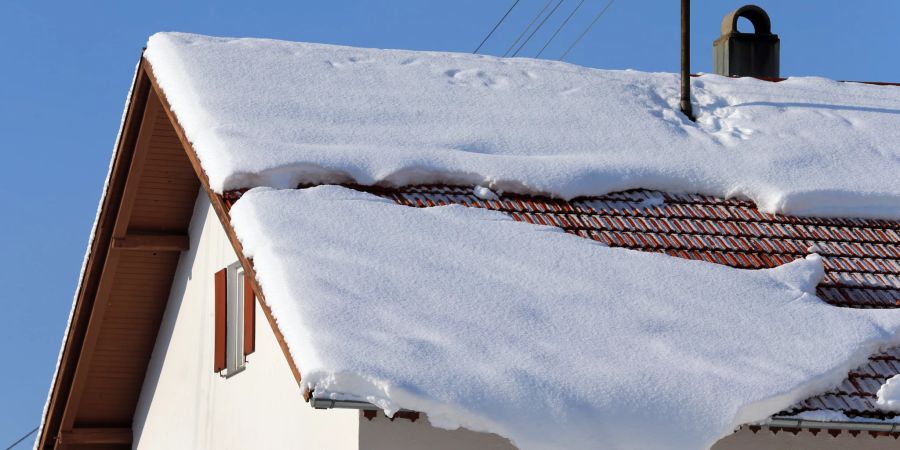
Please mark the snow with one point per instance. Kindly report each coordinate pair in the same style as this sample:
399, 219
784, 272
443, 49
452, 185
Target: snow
545, 338
889, 395
485, 193
273, 113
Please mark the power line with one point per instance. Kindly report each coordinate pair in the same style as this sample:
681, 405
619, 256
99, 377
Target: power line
22, 438
538, 16
538, 27
596, 18
563, 24
497, 25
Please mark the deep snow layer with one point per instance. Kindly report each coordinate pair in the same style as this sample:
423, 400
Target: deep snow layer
274, 113
545, 338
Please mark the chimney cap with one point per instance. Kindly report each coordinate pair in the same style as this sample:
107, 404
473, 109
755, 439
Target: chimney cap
762, 25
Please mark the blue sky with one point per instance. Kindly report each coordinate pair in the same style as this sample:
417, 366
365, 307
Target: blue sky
67, 66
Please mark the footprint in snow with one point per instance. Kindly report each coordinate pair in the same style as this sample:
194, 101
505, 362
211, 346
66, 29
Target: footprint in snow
475, 77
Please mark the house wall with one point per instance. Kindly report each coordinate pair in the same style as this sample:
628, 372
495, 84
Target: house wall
382, 434
185, 405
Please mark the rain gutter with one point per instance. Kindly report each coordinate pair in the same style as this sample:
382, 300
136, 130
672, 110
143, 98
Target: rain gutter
327, 403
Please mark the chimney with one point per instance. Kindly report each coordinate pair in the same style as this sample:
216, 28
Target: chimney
756, 54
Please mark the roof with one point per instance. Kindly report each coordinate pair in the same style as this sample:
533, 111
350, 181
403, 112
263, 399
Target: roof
861, 257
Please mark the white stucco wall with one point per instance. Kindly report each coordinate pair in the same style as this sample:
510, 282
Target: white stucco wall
401, 434
185, 405
382, 434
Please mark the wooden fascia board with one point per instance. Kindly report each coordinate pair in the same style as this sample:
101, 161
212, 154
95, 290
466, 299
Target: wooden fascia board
221, 209
80, 322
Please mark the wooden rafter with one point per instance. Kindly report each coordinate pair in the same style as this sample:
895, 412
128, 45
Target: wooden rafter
95, 436
153, 242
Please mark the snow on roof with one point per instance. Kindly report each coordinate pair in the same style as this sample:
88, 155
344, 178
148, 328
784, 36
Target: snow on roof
272, 113
859, 256
889, 395
481, 321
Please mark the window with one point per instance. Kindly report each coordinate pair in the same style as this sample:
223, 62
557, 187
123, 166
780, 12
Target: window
235, 320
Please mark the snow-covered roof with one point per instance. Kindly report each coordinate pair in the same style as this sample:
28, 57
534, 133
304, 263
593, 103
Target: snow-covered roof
272, 113
478, 320
859, 256
496, 325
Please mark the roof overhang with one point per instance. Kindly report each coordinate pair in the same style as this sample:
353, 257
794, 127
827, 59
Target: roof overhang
141, 228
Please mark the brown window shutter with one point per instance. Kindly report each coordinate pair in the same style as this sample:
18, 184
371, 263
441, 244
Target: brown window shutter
249, 316
221, 319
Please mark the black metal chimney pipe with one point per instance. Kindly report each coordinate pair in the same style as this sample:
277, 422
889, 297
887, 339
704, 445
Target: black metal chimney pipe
686, 106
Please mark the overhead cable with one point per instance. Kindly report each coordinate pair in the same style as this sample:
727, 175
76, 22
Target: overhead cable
497, 25
538, 27
563, 24
538, 16
596, 18
22, 438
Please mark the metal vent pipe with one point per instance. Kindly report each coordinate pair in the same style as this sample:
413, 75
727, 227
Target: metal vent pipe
686, 106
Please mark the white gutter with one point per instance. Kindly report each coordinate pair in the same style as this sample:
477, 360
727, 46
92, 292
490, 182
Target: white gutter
327, 403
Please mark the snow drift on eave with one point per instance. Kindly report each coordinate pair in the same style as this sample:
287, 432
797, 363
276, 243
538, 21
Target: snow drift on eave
274, 113
545, 338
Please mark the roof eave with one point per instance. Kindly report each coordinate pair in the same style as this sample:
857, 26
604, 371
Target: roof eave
82, 319
79, 320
